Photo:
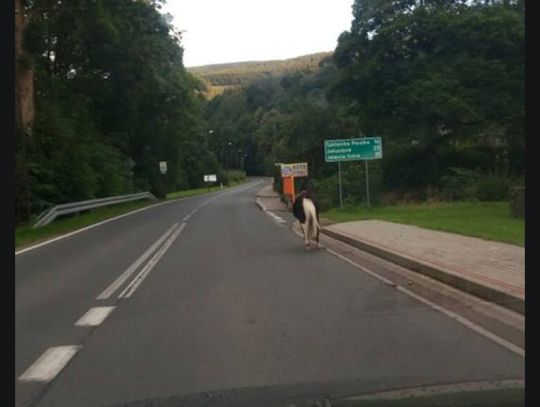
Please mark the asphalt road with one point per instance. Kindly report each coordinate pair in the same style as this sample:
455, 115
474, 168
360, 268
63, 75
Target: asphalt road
229, 299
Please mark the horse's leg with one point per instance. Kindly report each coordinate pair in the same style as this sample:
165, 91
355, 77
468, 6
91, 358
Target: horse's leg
305, 232
319, 246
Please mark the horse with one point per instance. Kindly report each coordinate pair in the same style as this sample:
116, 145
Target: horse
305, 210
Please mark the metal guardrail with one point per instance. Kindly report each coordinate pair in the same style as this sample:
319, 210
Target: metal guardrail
51, 214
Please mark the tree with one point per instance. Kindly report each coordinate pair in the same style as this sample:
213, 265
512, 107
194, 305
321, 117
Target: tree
438, 74
112, 99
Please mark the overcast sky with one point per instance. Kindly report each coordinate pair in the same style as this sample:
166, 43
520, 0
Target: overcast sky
220, 31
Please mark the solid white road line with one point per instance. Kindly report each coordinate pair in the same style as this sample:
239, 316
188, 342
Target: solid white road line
471, 325
127, 273
130, 289
95, 316
277, 218
49, 364
261, 205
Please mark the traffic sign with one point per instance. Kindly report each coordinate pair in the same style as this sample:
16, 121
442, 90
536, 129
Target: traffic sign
163, 166
210, 178
294, 170
366, 148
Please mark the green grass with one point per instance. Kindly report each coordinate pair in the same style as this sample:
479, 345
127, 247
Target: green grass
25, 235
486, 220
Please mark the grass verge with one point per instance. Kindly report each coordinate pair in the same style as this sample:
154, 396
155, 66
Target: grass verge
486, 220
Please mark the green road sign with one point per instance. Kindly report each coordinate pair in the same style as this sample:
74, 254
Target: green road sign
366, 148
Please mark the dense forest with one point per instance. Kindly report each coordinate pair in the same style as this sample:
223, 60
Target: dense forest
102, 96
441, 81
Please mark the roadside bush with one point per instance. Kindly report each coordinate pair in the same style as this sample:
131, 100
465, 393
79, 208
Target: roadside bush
466, 185
278, 184
493, 187
232, 176
328, 193
354, 183
459, 184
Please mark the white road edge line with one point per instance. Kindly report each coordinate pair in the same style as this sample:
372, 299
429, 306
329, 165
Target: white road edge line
49, 364
95, 316
276, 217
478, 329
127, 273
139, 278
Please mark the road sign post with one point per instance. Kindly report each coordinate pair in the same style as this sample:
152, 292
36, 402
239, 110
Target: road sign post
210, 178
365, 148
162, 183
339, 185
163, 167
367, 184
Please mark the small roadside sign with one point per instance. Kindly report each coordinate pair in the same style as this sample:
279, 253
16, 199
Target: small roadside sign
210, 178
163, 167
294, 170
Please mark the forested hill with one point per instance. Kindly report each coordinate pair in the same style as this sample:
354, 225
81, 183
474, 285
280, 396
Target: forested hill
219, 77
441, 82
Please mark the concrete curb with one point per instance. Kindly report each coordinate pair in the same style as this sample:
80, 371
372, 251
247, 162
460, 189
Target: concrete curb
438, 273
260, 205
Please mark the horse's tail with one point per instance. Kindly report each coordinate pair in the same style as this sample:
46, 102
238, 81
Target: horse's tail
312, 223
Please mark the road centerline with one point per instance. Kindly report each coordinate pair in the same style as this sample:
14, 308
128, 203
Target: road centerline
127, 273
139, 278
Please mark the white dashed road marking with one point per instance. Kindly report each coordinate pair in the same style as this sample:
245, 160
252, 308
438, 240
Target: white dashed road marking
49, 364
95, 316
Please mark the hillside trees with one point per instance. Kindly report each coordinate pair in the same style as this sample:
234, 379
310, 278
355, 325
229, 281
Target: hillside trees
112, 99
441, 76
441, 81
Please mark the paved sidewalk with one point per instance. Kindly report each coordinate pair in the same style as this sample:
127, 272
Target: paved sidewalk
270, 199
491, 270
